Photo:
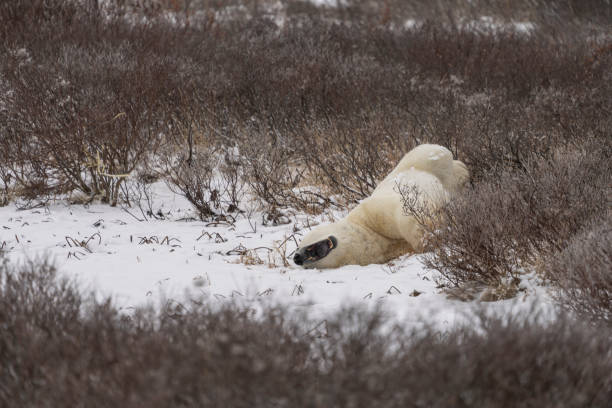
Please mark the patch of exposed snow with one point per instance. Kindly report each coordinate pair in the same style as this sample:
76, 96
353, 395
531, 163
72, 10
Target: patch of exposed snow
487, 24
111, 253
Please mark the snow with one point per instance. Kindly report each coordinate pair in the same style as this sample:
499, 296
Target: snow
136, 262
488, 24
328, 3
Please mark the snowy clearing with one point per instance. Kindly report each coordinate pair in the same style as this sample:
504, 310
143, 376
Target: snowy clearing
111, 253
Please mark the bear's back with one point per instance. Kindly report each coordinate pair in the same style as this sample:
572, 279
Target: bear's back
428, 173
383, 210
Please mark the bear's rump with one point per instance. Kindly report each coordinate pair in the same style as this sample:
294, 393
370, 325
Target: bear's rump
383, 211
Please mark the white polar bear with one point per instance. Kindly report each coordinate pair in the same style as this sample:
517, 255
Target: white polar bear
378, 230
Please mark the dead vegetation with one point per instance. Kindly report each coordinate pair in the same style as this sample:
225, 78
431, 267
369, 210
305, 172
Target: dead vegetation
307, 115
83, 243
58, 348
502, 226
582, 273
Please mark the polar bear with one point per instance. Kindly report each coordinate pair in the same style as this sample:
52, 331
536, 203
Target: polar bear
378, 230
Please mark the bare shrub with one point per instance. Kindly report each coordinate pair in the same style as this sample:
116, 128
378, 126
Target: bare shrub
582, 272
26, 171
194, 178
86, 112
494, 230
89, 138
271, 175
233, 179
521, 355
274, 169
351, 158
17, 15
137, 192
397, 12
58, 348
6, 177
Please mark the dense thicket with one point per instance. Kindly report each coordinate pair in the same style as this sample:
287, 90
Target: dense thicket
91, 94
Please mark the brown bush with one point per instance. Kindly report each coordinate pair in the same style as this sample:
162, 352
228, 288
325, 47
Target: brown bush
60, 349
582, 272
194, 179
90, 116
396, 12
495, 230
271, 165
88, 102
351, 157
57, 349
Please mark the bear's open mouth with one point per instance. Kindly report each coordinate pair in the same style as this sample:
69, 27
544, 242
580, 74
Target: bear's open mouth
316, 251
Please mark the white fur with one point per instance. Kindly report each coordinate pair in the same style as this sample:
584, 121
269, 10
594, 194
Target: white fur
377, 230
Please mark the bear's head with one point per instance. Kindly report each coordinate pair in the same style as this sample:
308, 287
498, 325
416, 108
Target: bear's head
308, 256
317, 247
327, 246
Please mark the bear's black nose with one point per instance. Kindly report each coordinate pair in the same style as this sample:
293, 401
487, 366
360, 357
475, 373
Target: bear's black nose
298, 259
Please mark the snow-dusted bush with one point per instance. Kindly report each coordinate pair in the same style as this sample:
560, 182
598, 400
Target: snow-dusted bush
503, 226
583, 272
89, 104
194, 178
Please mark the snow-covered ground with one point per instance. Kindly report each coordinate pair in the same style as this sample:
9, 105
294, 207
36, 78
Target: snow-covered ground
112, 253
